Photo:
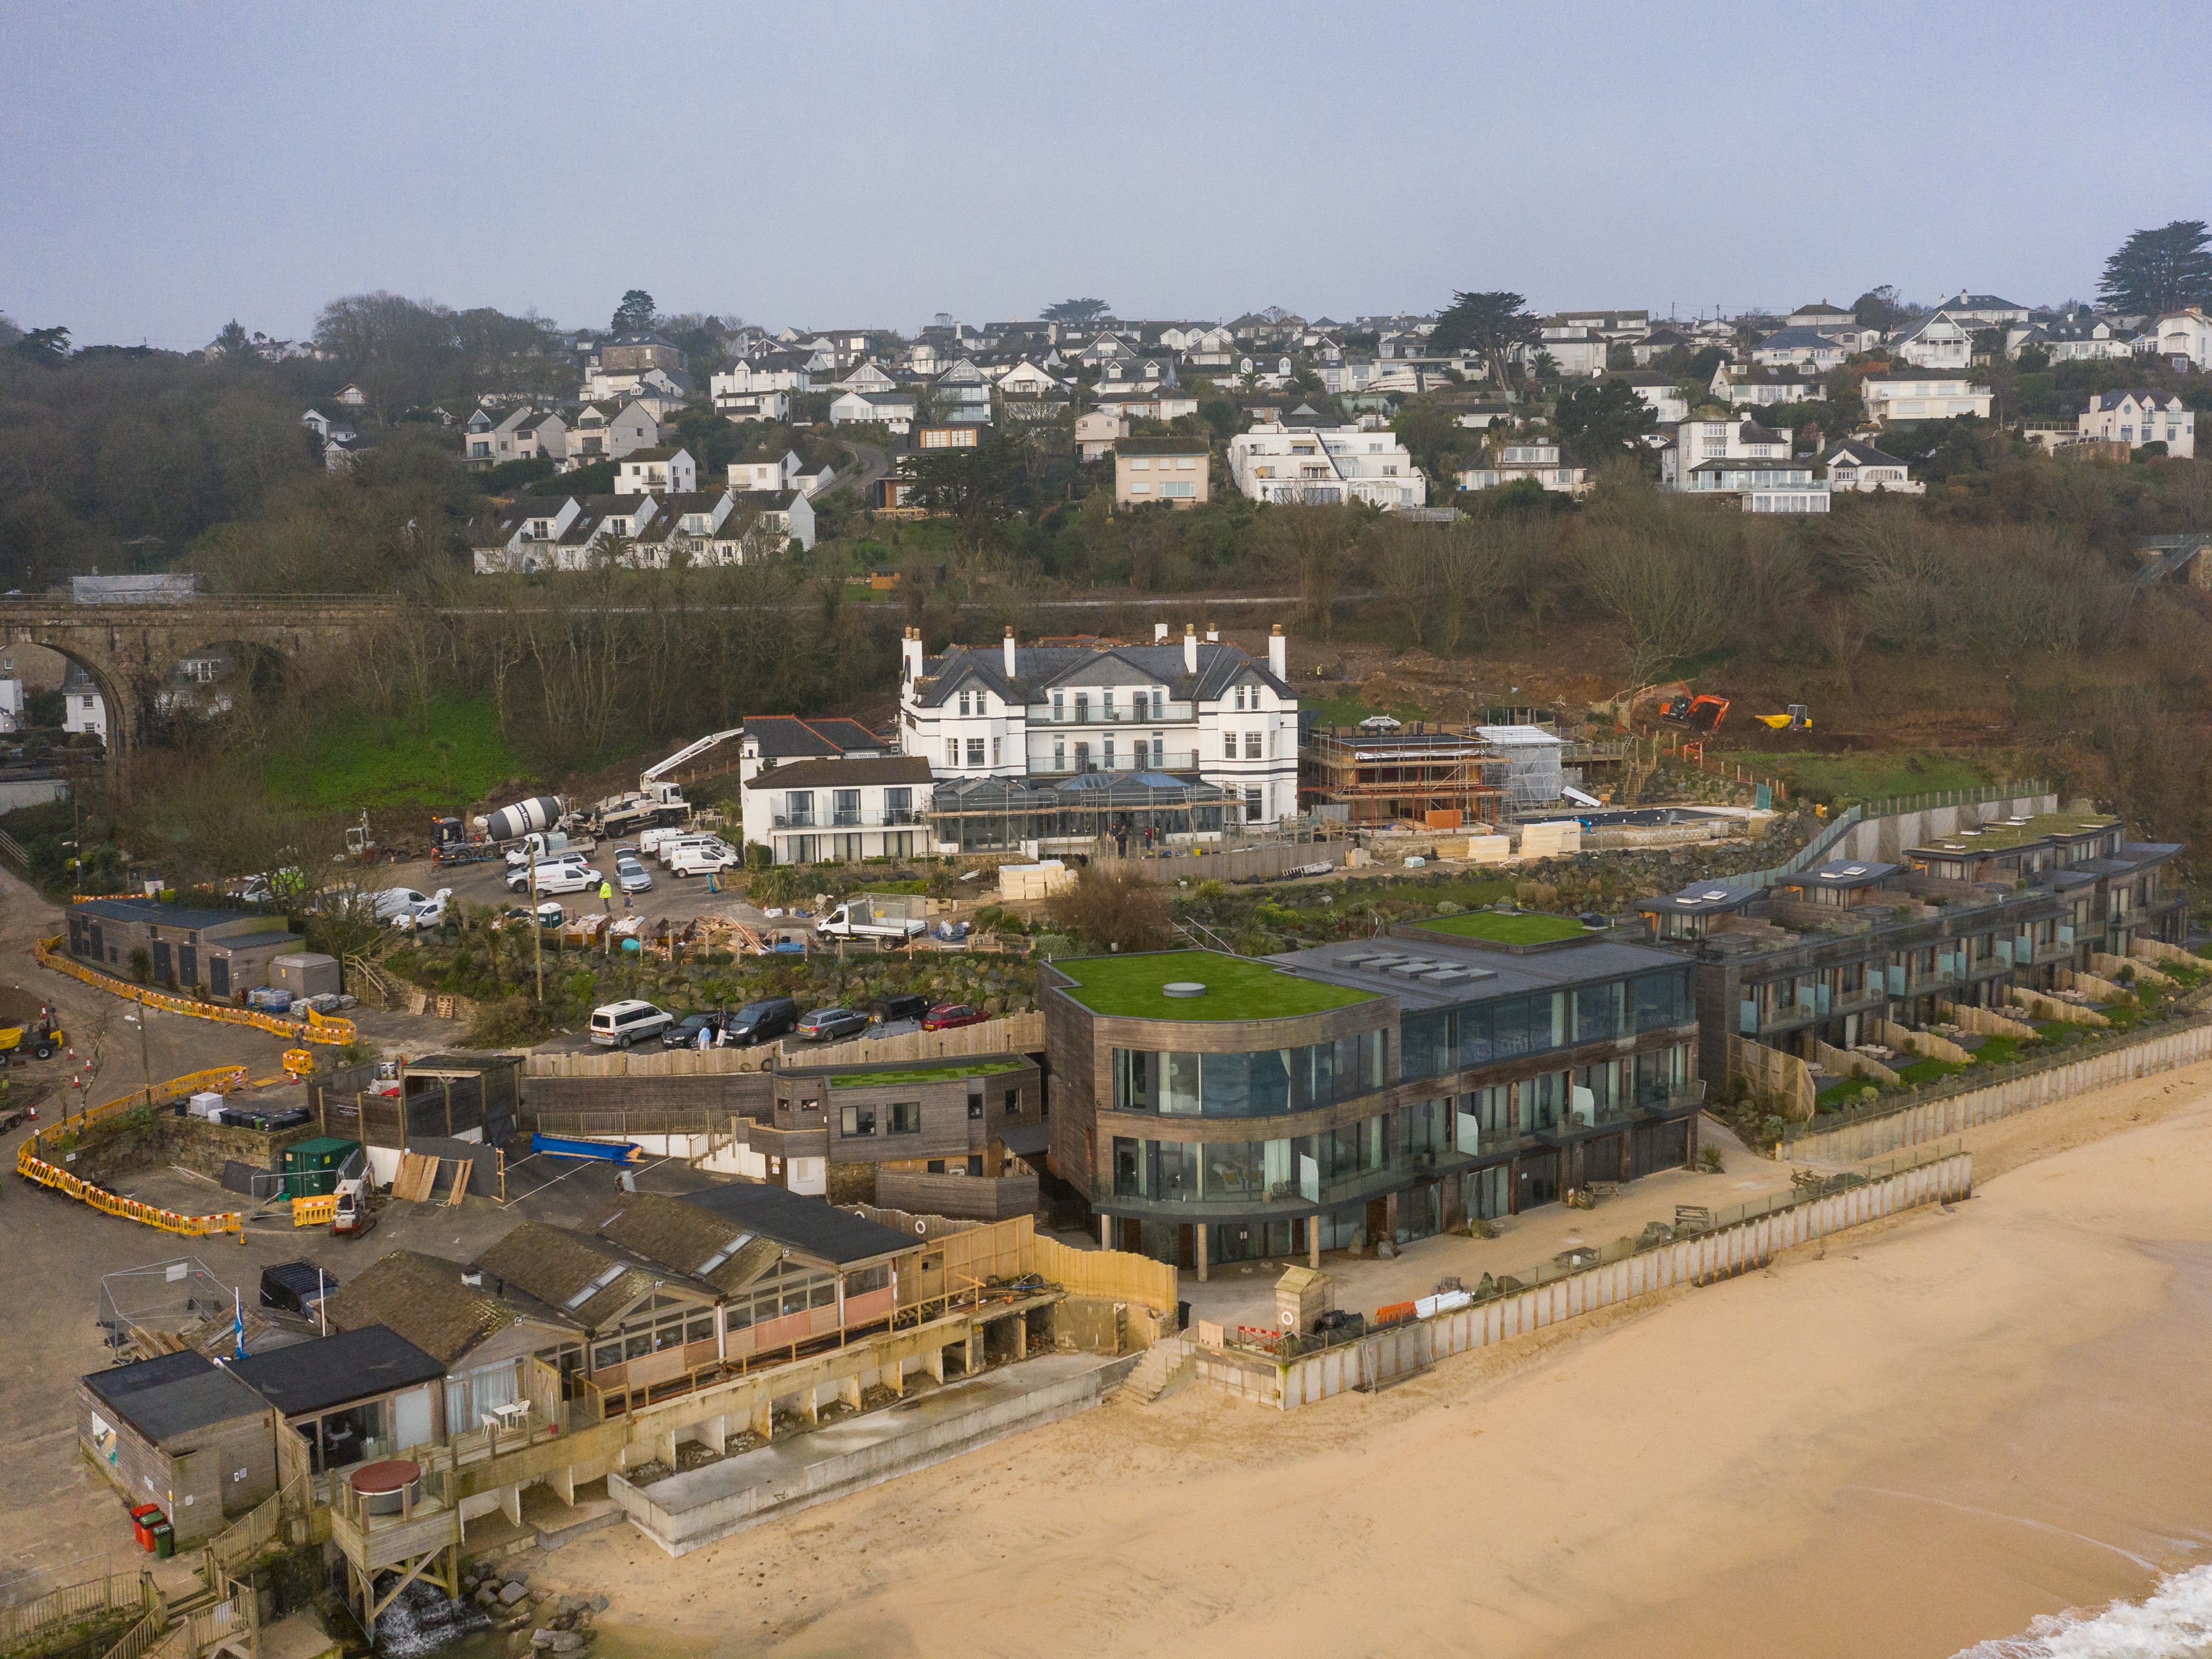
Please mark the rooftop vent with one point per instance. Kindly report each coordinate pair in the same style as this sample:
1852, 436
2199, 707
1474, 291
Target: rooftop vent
1182, 988
1716, 895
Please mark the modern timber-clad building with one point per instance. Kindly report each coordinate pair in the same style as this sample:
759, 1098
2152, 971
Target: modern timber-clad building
1960, 921
1218, 1108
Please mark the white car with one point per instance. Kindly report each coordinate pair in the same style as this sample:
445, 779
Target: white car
549, 872
393, 903
703, 858
618, 1025
431, 912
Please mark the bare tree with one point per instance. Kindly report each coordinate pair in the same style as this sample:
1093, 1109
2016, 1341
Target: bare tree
1671, 599
1311, 543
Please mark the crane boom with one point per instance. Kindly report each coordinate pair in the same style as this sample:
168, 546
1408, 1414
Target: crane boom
646, 779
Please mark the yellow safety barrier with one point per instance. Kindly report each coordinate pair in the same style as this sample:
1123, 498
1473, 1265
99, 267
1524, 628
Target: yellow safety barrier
299, 1062
314, 1211
33, 1168
218, 1079
319, 1028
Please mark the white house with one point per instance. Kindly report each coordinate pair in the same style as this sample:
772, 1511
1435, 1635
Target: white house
892, 409
668, 385
557, 532
783, 516
774, 370
1320, 464
2136, 418
1937, 341
84, 709
1822, 316
1855, 464
601, 432
1799, 349
1048, 712
2186, 336
756, 405
1741, 387
659, 471
763, 469
1764, 485
1916, 394
1096, 431
1026, 379
2087, 339
1663, 392
820, 811
868, 377
1697, 442
1538, 461
1576, 348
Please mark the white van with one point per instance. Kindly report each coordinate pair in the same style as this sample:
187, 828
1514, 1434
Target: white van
703, 857
618, 1025
667, 850
393, 903
562, 877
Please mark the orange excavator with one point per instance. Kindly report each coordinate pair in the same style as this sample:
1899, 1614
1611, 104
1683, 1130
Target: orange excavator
1703, 713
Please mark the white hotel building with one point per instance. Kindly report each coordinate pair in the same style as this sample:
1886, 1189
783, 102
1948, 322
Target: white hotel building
1316, 465
1170, 712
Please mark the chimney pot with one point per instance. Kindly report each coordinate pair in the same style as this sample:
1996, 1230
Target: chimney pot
1189, 648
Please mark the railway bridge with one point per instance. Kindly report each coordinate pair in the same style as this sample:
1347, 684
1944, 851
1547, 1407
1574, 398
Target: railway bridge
130, 651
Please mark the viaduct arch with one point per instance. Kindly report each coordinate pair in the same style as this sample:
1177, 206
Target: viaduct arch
130, 651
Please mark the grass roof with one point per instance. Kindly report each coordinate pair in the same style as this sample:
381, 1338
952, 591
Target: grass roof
1129, 988
2001, 837
1523, 930
868, 1079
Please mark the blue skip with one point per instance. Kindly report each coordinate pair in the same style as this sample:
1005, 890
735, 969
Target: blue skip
613, 1152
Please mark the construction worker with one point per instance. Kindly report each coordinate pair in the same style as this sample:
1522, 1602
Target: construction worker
606, 893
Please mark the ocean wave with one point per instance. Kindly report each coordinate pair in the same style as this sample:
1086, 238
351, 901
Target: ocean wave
2173, 1622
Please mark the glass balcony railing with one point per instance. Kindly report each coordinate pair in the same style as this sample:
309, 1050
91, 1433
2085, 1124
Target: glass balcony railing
894, 818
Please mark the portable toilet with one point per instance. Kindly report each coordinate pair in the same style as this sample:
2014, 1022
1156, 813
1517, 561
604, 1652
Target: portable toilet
311, 1167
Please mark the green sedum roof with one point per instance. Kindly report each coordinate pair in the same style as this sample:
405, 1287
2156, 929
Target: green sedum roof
1129, 988
946, 1072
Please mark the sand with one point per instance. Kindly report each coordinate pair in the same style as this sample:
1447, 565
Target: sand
1916, 1438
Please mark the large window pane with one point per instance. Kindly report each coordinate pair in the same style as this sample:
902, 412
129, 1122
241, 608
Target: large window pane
1179, 1094
1509, 1016
1228, 1091
1324, 1073
1270, 1080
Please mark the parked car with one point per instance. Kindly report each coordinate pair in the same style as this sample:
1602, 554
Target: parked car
666, 850
701, 858
618, 1025
945, 1015
825, 1025
432, 912
900, 1005
632, 876
557, 877
395, 902
761, 1022
685, 1033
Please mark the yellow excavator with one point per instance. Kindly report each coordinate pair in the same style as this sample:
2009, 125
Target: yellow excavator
1798, 719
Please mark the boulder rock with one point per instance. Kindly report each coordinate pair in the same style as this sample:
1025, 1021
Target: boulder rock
541, 1638
566, 1641
599, 1604
512, 1593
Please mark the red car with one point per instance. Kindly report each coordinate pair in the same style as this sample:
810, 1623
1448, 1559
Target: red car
945, 1015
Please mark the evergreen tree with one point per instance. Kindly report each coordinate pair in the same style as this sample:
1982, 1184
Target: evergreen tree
2156, 271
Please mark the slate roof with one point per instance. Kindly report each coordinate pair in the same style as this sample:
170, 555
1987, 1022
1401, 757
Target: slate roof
1037, 669
1798, 339
1859, 454
560, 1268
152, 911
337, 1370
422, 1299
810, 1225
174, 1394
688, 1240
779, 735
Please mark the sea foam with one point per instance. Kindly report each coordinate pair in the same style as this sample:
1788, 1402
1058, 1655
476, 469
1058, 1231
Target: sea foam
2174, 1622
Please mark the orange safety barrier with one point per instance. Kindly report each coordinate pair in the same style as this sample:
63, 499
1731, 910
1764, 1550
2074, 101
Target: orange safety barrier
315, 1212
33, 1168
319, 1028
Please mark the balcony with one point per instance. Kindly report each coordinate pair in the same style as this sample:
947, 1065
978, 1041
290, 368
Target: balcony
1282, 1198
1118, 714
1121, 761
893, 818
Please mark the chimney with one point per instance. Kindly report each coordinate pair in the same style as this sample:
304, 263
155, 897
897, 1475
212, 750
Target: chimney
1213, 636
1279, 655
910, 655
1190, 648
1010, 653
1159, 633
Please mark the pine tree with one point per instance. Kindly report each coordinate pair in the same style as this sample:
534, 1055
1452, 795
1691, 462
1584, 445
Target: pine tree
2157, 271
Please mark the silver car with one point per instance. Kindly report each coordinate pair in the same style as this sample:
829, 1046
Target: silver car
631, 876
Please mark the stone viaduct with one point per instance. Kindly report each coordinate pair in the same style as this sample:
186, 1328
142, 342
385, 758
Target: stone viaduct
130, 651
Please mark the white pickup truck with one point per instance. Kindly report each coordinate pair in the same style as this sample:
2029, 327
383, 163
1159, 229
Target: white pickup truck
876, 915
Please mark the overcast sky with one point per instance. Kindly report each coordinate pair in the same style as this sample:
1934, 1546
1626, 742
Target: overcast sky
164, 169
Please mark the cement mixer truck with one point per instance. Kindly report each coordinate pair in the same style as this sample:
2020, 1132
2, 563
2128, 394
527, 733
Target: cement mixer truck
538, 812
515, 832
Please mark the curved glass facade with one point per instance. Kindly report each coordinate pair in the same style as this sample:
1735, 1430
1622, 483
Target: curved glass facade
1257, 1084
1507, 1028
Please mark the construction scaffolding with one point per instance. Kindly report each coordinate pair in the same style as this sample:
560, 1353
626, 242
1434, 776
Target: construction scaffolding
168, 1307
1435, 777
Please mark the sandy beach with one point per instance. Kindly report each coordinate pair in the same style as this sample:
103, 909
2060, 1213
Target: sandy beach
1916, 1438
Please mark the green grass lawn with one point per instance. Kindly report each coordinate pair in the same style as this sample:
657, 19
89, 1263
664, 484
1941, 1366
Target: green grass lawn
1128, 987
1838, 1095
1927, 1071
1346, 707
1523, 930
2000, 1051
358, 758
1865, 775
924, 1073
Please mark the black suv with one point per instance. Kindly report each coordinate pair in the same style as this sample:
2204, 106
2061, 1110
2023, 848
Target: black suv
685, 1033
760, 1022
901, 1006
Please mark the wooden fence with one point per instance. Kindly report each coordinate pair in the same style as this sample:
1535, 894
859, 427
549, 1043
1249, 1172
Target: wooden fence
1841, 1063
1983, 1022
1397, 1350
73, 1603
1014, 1033
1934, 1120
1927, 1044
1773, 1071
317, 1027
